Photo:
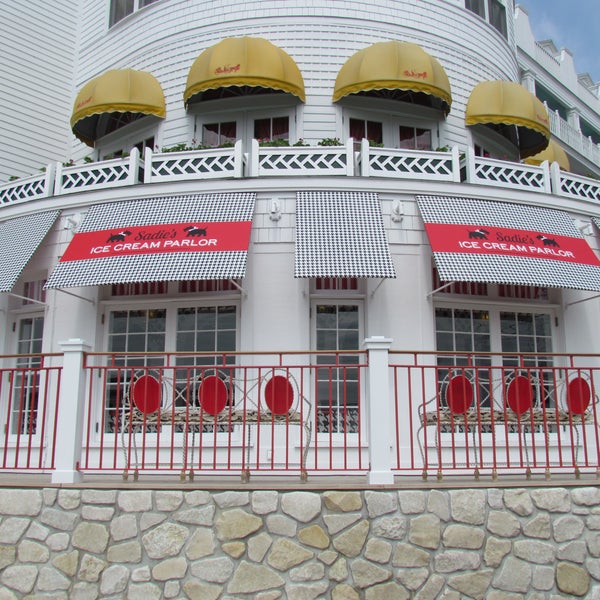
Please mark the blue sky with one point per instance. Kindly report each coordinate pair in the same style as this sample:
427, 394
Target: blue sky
572, 24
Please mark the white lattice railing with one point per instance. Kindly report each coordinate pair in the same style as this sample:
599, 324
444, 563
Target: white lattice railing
99, 175
409, 164
267, 161
574, 186
28, 188
500, 173
214, 163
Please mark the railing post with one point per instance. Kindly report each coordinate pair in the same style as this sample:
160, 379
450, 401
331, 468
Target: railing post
58, 179
49, 181
134, 166
350, 157
546, 171
455, 164
470, 165
254, 158
238, 160
555, 179
381, 416
71, 408
147, 165
365, 163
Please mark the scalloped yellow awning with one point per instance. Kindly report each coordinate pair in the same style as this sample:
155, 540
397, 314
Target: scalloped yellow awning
115, 91
393, 65
243, 61
553, 153
509, 103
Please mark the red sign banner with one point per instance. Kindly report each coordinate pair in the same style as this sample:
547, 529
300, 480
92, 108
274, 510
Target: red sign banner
160, 239
486, 240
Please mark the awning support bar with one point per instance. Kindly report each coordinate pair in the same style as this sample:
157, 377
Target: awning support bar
26, 298
580, 301
442, 287
76, 296
239, 287
378, 286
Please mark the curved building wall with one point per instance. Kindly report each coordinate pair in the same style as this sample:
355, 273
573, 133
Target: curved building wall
167, 36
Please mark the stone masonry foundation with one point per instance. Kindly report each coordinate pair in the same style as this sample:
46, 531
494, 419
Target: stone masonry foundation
533, 543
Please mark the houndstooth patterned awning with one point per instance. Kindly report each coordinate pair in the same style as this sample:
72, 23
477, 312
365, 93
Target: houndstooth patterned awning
158, 260
19, 239
341, 234
502, 242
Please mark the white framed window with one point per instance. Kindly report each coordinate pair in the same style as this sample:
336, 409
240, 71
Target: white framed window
493, 11
149, 332
141, 134
119, 9
415, 138
338, 327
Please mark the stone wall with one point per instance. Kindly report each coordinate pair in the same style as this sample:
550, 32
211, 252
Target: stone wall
391, 544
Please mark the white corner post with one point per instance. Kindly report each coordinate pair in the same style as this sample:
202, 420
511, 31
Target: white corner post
71, 408
381, 415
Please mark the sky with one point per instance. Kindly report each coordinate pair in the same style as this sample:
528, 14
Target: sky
572, 24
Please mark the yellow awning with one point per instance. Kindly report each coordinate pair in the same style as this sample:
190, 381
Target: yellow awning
393, 66
116, 91
243, 61
553, 153
509, 103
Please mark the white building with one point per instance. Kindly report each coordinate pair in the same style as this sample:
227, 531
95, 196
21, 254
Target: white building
295, 176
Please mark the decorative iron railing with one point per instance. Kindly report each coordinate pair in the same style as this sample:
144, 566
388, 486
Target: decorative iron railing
301, 414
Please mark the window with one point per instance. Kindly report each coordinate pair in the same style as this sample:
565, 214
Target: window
34, 292
119, 9
493, 11
218, 134
25, 390
369, 130
337, 328
182, 329
272, 128
473, 332
415, 138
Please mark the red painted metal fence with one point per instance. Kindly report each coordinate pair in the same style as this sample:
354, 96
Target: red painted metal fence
496, 413
304, 413
29, 388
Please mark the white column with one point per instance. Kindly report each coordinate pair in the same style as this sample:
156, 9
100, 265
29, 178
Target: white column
380, 410
71, 408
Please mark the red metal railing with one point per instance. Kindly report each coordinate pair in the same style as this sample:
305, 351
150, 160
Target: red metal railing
496, 413
225, 413
29, 392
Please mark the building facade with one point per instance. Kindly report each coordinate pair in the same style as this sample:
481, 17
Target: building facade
296, 179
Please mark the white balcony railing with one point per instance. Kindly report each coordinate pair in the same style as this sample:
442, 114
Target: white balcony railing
299, 161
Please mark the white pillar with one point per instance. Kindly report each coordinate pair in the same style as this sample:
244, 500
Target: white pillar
71, 408
380, 410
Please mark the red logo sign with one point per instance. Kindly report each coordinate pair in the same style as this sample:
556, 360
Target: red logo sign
474, 239
227, 69
160, 239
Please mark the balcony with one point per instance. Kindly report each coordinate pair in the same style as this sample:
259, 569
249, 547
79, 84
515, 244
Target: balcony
291, 161
384, 415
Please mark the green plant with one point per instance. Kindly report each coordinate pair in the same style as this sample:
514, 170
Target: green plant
330, 142
274, 143
301, 142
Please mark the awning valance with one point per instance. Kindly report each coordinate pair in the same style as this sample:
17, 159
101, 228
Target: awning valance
341, 234
19, 239
119, 91
502, 242
200, 236
245, 64
509, 103
394, 67
553, 153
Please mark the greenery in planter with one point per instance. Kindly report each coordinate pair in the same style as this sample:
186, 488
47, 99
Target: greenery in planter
330, 142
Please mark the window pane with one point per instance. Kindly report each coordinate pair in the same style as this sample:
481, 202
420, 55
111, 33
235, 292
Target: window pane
374, 132
210, 134
407, 137
498, 16
281, 128
357, 129
119, 9
262, 129
423, 139
475, 6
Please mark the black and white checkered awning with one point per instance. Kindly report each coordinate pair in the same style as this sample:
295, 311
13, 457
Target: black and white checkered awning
19, 239
341, 234
507, 243
159, 266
